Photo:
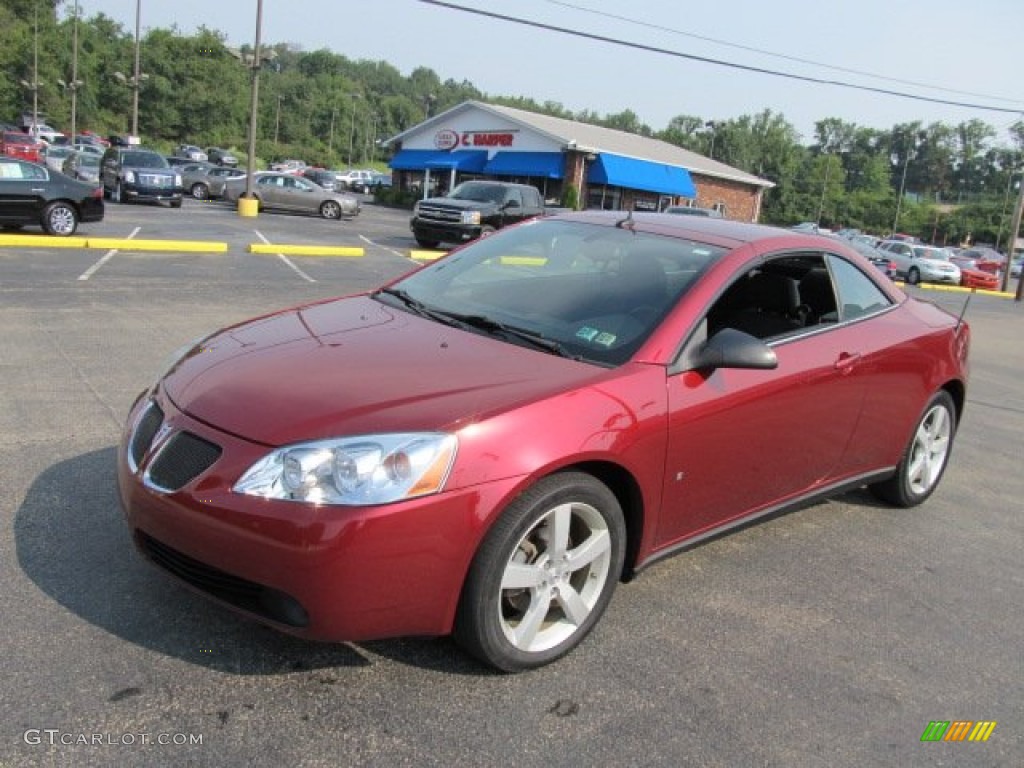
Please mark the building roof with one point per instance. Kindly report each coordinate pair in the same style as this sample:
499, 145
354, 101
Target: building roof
595, 138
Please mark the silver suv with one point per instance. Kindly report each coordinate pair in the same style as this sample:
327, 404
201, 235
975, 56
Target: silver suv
916, 262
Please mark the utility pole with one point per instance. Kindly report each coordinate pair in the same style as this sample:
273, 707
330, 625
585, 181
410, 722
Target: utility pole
1012, 242
135, 87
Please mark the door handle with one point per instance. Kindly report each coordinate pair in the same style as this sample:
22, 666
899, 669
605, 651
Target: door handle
847, 361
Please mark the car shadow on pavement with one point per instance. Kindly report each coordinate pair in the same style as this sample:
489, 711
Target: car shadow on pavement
72, 542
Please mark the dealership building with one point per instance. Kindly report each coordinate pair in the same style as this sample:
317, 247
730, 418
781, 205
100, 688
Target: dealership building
610, 169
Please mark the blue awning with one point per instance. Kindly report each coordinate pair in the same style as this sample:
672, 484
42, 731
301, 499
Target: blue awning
550, 165
470, 160
619, 171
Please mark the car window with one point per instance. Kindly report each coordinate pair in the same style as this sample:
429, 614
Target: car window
17, 171
858, 294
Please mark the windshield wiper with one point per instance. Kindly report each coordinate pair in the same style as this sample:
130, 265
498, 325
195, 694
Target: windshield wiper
418, 306
480, 322
534, 339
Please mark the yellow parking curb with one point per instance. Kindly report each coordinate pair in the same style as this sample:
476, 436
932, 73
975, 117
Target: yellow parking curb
962, 289
190, 246
426, 255
44, 241
306, 250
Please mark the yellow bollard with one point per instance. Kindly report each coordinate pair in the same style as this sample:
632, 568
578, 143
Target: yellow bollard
248, 207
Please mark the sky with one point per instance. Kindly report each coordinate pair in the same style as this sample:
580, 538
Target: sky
971, 53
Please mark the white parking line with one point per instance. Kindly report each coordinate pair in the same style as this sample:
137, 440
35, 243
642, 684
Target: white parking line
406, 256
285, 259
106, 257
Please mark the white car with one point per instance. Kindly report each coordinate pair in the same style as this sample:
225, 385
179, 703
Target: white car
917, 263
360, 181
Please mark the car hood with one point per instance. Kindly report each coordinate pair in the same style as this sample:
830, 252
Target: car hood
355, 366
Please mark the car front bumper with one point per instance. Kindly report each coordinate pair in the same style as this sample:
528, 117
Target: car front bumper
322, 572
156, 194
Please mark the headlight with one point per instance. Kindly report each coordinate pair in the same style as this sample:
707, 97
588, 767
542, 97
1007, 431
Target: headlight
471, 217
356, 471
129, 176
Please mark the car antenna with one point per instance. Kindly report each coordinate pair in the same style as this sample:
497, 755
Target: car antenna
960, 319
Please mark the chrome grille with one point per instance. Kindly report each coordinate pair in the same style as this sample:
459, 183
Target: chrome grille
146, 427
437, 213
155, 180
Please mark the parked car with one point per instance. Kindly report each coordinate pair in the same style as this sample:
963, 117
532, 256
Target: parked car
289, 166
686, 210
53, 156
89, 147
213, 185
133, 173
986, 259
970, 275
916, 263
220, 156
190, 152
31, 194
357, 181
44, 133
321, 176
879, 258
486, 446
378, 179
286, 192
21, 145
194, 178
474, 209
84, 166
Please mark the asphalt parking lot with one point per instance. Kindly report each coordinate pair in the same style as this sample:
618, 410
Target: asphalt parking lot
830, 636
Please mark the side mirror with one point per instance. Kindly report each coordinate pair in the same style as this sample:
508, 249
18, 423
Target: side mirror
730, 348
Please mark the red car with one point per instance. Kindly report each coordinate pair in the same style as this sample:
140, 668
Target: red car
486, 446
973, 276
20, 145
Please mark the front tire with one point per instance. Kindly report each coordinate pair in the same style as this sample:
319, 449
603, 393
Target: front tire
60, 219
913, 276
544, 573
925, 458
424, 242
330, 209
200, 191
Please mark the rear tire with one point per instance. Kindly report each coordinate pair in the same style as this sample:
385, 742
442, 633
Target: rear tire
925, 458
543, 574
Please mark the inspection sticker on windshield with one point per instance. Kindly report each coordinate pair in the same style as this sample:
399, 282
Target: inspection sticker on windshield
587, 334
605, 339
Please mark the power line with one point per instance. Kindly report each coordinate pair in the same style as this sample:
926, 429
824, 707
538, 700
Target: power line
764, 52
717, 62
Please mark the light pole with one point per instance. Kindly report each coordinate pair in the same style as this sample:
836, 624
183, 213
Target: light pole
330, 139
34, 85
74, 83
911, 151
253, 110
352, 128
277, 120
137, 77
713, 127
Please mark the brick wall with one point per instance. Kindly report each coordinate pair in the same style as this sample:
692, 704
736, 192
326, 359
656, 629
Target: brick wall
742, 201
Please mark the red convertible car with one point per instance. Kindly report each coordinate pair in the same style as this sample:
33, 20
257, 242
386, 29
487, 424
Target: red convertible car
487, 446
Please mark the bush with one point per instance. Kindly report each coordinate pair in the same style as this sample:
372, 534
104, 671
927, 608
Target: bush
570, 198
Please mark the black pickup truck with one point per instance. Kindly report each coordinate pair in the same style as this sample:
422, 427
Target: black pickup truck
474, 208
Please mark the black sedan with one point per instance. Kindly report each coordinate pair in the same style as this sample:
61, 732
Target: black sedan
30, 194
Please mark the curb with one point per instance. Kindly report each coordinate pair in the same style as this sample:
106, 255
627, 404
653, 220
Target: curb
114, 243
306, 250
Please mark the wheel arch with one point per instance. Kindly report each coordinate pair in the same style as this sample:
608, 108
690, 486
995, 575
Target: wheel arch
958, 392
